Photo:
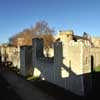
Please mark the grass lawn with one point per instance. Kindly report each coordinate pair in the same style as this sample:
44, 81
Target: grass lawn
32, 78
97, 69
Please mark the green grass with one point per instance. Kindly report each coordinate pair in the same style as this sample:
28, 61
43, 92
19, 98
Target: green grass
32, 78
97, 69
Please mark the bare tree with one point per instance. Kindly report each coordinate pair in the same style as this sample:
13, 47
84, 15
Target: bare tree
44, 31
40, 30
26, 35
42, 27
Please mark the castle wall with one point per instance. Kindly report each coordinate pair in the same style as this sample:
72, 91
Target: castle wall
96, 41
52, 74
50, 52
78, 56
50, 71
74, 58
2, 54
71, 61
26, 60
95, 52
74, 64
68, 74
12, 54
86, 60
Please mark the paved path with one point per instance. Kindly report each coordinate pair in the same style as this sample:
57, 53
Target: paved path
24, 89
6, 91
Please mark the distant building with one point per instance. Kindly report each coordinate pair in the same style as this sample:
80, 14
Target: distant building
96, 41
10, 53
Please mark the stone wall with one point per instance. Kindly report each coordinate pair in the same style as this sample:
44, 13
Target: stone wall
95, 52
11, 54
66, 71
26, 61
96, 41
72, 60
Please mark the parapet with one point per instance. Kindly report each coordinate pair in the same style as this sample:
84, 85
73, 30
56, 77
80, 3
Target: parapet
67, 32
79, 43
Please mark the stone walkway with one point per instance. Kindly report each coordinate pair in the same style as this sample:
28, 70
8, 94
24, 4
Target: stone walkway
24, 89
6, 91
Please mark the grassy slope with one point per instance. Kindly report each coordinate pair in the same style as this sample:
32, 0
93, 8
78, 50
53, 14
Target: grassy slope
97, 69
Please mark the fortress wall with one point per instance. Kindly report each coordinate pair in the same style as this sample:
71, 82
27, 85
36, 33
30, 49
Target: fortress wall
74, 58
55, 75
77, 54
58, 53
69, 50
75, 76
81, 51
65, 54
96, 54
26, 60
2, 53
66, 70
50, 52
62, 74
96, 41
52, 74
12, 55
86, 60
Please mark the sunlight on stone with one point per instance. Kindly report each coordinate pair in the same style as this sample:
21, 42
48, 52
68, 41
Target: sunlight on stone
64, 73
43, 78
37, 73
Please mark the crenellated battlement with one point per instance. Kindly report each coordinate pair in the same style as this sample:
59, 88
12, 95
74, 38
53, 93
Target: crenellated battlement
79, 43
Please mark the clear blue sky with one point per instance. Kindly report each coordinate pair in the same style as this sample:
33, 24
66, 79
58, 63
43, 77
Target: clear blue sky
79, 15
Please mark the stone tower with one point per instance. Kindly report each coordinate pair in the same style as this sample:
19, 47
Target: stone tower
66, 36
58, 53
37, 50
26, 60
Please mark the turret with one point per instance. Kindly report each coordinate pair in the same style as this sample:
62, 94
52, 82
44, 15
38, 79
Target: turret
66, 36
